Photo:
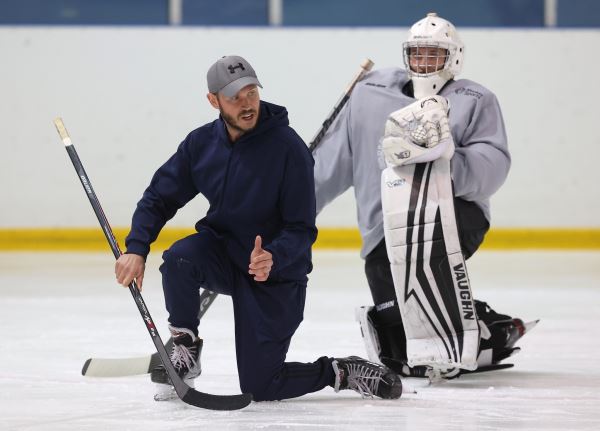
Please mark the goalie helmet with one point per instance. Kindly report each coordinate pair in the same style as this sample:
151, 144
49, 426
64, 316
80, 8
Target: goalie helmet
434, 45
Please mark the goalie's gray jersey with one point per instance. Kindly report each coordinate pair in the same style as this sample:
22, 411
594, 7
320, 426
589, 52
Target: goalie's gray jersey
350, 153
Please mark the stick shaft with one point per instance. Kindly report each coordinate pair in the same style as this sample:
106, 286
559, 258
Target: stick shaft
110, 237
365, 67
185, 393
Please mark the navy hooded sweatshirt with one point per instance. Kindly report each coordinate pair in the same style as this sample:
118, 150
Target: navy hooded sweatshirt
262, 184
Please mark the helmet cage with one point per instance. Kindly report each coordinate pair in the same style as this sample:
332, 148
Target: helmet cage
433, 64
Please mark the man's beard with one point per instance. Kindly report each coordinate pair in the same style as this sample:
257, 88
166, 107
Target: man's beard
233, 123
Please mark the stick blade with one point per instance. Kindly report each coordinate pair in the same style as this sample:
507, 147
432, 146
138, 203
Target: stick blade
105, 367
216, 402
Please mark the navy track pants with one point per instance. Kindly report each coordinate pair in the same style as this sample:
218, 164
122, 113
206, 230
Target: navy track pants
266, 316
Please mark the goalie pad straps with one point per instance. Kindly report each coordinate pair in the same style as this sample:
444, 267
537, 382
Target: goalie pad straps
428, 269
382, 339
368, 333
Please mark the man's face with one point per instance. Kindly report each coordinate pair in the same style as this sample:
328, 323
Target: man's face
426, 59
240, 112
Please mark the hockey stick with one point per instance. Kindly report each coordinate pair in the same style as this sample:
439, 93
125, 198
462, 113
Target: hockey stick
120, 367
365, 67
184, 392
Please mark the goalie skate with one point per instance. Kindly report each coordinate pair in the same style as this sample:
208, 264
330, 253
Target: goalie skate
501, 342
514, 330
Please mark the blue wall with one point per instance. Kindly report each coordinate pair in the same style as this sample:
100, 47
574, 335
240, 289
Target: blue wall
579, 13
481, 13
84, 12
463, 13
225, 12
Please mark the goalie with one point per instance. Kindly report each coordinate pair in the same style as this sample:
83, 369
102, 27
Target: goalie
402, 118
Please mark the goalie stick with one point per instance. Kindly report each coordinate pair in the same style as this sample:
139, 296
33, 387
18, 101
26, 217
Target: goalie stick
185, 393
120, 367
365, 67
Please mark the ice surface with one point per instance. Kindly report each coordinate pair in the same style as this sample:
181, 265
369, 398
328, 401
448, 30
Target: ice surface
56, 310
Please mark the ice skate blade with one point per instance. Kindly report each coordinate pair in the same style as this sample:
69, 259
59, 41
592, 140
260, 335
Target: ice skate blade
165, 393
530, 325
410, 385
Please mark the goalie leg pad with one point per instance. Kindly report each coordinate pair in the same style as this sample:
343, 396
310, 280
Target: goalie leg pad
428, 269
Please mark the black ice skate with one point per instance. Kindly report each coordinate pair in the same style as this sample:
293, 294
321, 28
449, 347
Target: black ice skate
366, 378
503, 332
185, 357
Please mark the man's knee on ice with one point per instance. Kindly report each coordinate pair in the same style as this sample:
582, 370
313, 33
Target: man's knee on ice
261, 389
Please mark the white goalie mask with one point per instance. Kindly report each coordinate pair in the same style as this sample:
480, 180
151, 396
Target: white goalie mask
433, 54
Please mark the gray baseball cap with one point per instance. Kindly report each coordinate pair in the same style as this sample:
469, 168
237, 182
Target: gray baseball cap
229, 75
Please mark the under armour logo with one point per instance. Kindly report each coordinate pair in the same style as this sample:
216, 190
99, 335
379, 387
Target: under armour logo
232, 68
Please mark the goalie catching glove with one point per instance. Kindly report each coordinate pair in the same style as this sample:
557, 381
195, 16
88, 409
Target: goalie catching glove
418, 133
